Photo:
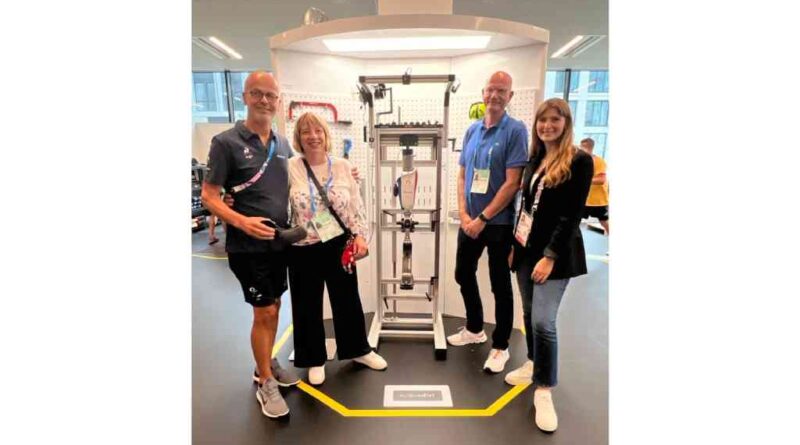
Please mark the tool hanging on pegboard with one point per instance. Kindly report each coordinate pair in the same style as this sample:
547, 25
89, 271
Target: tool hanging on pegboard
328, 105
348, 145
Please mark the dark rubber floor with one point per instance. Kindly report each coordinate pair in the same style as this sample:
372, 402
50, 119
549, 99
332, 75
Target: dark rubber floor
225, 411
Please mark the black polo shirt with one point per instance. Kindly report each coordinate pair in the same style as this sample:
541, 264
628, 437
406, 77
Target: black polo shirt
235, 157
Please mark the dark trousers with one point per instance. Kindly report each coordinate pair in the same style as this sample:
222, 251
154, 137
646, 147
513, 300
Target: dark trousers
310, 268
497, 240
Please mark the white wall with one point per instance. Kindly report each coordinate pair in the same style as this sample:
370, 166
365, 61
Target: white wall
201, 138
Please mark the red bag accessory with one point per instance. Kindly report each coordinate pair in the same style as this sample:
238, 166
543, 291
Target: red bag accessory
349, 255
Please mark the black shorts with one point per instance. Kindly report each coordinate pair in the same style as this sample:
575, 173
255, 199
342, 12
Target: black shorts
599, 212
262, 276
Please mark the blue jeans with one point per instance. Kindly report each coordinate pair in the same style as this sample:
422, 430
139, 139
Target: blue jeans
540, 303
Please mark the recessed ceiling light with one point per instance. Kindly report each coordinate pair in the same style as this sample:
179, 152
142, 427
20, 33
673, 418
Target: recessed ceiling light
576, 46
204, 44
407, 43
227, 49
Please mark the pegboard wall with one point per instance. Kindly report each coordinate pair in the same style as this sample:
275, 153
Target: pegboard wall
348, 108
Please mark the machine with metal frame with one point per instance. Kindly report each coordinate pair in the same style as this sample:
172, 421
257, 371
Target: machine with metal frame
426, 142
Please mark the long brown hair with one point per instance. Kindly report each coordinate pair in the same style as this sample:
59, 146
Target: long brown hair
558, 165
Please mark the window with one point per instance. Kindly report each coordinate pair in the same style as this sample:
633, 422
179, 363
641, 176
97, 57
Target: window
237, 87
574, 80
599, 143
209, 97
210, 92
573, 107
598, 81
551, 79
596, 113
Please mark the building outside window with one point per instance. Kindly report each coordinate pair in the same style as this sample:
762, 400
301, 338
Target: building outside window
574, 81
598, 81
210, 92
209, 97
597, 113
237, 87
588, 101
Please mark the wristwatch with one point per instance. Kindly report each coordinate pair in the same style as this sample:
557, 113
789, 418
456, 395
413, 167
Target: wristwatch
483, 217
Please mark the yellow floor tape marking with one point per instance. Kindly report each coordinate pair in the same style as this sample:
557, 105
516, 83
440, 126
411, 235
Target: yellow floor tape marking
344, 411
277, 347
210, 257
493, 409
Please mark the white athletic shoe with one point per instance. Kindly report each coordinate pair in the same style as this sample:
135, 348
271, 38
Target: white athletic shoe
373, 361
316, 375
546, 418
522, 375
497, 360
465, 337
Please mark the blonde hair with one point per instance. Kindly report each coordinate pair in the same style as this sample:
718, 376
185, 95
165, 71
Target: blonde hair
310, 119
558, 167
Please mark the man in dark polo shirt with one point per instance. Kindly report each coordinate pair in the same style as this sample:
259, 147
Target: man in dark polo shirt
250, 161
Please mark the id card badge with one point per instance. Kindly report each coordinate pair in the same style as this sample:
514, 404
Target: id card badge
480, 181
326, 226
523, 227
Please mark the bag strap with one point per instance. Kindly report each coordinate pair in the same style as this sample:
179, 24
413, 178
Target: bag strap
325, 200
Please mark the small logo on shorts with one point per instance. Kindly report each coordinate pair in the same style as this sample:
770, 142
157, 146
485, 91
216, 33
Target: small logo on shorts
255, 294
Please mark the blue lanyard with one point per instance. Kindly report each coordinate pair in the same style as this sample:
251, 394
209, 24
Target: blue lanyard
491, 144
257, 176
327, 186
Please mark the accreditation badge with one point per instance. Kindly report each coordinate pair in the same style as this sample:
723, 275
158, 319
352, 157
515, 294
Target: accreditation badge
523, 229
326, 226
480, 181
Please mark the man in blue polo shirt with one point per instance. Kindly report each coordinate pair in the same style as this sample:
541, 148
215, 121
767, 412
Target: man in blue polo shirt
250, 161
495, 150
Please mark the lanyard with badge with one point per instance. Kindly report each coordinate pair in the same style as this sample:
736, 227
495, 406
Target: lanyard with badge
480, 176
257, 176
325, 225
525, 221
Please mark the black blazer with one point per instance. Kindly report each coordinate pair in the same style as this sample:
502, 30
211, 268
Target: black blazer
556, 221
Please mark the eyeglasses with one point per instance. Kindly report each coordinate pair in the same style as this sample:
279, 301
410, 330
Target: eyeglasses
258, 95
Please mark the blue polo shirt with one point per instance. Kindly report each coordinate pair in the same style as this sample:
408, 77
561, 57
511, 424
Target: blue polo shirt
510, 140
235, 157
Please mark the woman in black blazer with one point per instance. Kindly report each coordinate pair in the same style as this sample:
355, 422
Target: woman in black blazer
548, 247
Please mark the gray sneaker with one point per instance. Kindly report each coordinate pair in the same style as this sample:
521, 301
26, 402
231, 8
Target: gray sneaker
284, 376
272, 403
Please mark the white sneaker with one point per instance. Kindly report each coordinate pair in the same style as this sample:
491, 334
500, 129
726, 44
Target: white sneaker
373, 361
522, 375
546, 418
497, 360
316, 375
465, 337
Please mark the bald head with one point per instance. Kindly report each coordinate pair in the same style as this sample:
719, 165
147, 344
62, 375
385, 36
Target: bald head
500, 77
497, 94
259, 77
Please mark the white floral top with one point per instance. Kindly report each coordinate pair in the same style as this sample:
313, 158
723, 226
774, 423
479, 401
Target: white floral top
343, 194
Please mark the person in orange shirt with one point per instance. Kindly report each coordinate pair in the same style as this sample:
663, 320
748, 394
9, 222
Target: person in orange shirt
597, 202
